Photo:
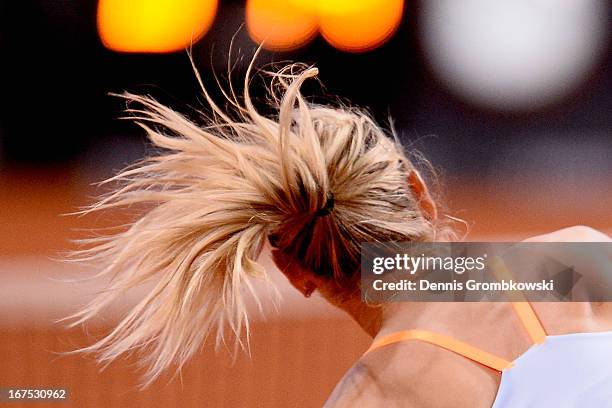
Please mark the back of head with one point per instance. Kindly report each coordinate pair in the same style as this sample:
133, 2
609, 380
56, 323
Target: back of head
316, 180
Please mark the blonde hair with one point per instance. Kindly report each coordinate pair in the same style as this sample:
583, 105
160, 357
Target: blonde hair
215, 193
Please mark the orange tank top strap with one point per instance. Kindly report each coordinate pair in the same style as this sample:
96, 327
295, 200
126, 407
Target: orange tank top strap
448, 343
522, 307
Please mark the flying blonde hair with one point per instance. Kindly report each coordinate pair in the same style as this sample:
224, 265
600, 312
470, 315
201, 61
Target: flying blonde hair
214, 194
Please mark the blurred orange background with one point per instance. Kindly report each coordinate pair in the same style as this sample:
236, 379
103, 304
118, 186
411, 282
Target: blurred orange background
297, 354
511, 100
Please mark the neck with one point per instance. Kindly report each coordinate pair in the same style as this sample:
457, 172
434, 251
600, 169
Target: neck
368, 317
491, 326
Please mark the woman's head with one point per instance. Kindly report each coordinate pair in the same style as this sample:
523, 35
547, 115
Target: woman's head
314, 180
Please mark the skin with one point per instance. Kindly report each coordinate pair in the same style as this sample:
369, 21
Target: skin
417, 374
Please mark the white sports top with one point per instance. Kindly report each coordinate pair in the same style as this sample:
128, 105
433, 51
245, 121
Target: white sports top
566, 371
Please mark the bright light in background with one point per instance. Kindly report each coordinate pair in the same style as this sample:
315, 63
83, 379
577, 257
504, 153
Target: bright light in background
348, 25
282, 25
153, 25
359, 25
513, 54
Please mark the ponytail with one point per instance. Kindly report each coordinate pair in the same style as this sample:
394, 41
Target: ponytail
210, 198
318, 180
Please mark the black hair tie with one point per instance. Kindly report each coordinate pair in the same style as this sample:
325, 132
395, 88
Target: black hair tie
326, 210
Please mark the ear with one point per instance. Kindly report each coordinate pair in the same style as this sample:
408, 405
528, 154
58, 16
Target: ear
420, 191
303, 280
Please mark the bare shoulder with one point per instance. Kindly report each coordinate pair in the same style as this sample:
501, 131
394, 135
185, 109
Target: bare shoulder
594, 264
414, 375
353, 388
595, 270
365, 384
577, 233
